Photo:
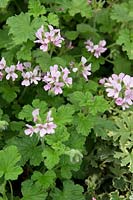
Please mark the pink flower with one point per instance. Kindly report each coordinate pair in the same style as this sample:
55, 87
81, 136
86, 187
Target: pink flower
47, 128
89, 1
2, 63
93, 198
86, 71
35, 75
57, 89
128, 81
55, 73
40, 34
97, 49
119, 101
67, 80
55, 79
47, 87
35, 114
120, 87
49, 118
102, 81
27, 65
89, 46
11, 72
41, 129
44, 38
30, 130
20, 67
26, 76
1, 75
70, 46
50, 127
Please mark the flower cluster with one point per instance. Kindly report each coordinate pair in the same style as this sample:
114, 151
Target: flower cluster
41, 128
29, 76
119, 87
86, 71
89, 1
9, 71
82, 68
97, 49
56, 79
44, 38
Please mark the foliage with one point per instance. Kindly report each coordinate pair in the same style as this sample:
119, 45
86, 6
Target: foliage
61, 135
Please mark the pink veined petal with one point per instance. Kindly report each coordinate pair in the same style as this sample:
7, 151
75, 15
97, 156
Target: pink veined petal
49, 118
83, 60
25, 82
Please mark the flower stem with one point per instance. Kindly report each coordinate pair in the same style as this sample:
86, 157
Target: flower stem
11, 189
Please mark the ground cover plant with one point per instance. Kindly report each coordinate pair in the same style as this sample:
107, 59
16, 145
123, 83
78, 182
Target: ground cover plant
66, 95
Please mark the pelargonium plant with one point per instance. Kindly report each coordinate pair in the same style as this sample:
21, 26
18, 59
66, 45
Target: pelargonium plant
66, 100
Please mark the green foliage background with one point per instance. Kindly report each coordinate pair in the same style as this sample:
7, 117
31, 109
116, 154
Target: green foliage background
91, 153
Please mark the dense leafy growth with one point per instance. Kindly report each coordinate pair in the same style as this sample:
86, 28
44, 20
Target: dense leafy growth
66, 96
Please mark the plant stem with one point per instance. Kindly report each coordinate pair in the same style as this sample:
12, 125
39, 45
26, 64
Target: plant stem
11, 189
42, 141
15, 1
111, 45
22, 94
109, 60
4, 193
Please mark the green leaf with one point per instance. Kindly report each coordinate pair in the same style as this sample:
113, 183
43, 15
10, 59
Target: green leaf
120, 183
84, 124
35, 8
32, 191
29, 149
123, 134
122, 12
64, 114
26, 113
102, 126
4, 3
124, 129
70, 191
122, 64
45, 180
5, 39
3, 125
51, 157
61, 136
42, 105
95, 105
59, 61
22, 28
92, 104
115, 196
53, 19
126, 159
81, 7
25, 51
71, 35
66, 172
125, 39
87, 29
16, 125
103, 19
43, 59
9, 158
8, 93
